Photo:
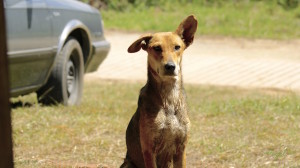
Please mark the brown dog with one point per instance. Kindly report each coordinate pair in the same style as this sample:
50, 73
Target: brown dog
157, 133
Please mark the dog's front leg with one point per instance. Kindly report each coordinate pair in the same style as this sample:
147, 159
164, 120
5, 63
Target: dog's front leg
149, 159
148, 153
179, 159
147, 150
147, 145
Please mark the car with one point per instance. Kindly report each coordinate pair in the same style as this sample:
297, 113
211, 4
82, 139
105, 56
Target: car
51, 44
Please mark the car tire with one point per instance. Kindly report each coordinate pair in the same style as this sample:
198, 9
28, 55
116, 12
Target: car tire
66, 81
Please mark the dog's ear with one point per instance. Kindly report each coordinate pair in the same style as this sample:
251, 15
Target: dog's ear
187, 29
142, 42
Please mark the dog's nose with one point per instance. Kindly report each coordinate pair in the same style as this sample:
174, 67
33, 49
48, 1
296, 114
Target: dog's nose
170, 67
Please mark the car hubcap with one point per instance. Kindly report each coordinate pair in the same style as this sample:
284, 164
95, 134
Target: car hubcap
71, 75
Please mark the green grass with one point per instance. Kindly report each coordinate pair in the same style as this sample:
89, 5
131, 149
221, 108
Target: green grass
231, 127
248, 19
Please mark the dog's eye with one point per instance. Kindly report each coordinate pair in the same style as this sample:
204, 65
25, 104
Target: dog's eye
157, 48
177, 47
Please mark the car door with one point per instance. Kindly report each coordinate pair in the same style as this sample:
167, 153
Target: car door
30, 44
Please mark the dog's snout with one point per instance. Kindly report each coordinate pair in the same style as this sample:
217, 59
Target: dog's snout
170, 67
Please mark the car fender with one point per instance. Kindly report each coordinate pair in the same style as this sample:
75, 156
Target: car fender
67, 31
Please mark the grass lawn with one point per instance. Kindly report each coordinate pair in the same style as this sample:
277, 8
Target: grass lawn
231, 127
250, 19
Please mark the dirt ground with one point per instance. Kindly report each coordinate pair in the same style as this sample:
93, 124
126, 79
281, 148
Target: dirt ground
257, 63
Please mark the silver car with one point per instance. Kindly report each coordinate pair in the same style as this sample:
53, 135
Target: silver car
51, 44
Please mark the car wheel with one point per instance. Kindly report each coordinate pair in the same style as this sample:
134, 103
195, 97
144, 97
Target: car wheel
66, 81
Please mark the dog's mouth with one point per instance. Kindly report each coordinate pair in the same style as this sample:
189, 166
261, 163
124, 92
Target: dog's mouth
173, 74
170, 76
166, 75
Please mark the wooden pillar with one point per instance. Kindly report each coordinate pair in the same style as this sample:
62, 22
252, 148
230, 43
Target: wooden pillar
6, 152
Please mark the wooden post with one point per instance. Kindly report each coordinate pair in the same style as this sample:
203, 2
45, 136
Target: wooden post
6, 152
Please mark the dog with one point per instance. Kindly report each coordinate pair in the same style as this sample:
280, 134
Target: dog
157, 133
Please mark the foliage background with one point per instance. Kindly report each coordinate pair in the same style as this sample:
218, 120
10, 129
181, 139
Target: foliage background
275, 19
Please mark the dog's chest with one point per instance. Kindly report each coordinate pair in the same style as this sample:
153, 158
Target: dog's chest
168, 119
171, 124
171, 131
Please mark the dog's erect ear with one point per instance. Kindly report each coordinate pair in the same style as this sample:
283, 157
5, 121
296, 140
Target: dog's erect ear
142, 42
187, 29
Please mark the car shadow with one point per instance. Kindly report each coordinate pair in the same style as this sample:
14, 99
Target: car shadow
17, 104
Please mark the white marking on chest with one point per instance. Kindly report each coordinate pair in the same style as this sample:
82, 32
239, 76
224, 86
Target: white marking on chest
169, 123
